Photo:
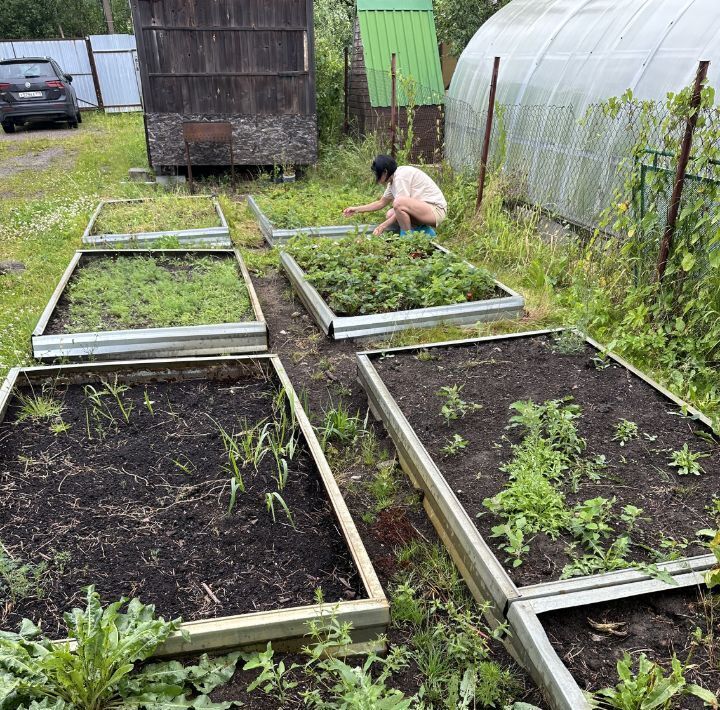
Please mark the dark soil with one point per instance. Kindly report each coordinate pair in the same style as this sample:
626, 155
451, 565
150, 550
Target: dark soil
325, 371
658, 625
143, 511
497, 373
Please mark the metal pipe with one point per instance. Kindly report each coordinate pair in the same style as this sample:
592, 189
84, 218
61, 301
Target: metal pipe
674, 206
393, 105
346, 91
488, 132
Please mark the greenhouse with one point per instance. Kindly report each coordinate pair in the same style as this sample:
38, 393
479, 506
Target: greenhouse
559, 60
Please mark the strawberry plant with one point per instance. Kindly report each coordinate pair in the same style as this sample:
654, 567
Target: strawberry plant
365, 274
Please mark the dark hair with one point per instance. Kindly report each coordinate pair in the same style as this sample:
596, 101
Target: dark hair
383, 164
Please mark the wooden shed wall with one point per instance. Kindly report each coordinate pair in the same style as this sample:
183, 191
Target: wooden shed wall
247, 61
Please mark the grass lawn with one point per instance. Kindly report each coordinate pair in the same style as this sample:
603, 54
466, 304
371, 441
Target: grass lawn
45, 205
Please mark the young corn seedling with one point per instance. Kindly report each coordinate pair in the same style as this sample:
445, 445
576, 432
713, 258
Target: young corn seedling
148, 403
454, 407
271, 499
686, 461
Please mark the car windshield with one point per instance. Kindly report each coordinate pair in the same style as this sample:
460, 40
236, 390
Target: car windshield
25, 70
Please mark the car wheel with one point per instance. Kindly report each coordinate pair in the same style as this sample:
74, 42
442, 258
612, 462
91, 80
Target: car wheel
79, 117
8, 127
72, 123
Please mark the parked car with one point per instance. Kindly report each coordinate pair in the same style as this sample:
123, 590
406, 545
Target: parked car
36, 89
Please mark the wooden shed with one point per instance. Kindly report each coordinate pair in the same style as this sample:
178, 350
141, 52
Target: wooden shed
405, 28
250, 62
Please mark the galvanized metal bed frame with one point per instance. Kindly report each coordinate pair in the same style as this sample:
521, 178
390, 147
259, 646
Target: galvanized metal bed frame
484, 574
286, 628
205, 236
510, 305
211, 339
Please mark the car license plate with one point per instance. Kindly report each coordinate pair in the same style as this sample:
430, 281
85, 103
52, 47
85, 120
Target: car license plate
30, 94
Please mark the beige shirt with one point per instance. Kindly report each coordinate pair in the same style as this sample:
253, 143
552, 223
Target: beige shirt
412, 182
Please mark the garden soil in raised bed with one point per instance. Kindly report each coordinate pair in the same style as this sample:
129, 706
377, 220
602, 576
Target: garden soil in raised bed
497, 373
325, 371
121, 514
180, 268
591, 639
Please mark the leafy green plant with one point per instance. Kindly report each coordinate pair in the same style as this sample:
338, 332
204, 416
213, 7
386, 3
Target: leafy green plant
273, 678
116, 390
366, 274
341, 426
712, 576
454, 407
455, 445
686, 461
39, 407
649, 687
346, 687
514, 533
313, 204
383, 487
568, 342
625, 431
103, 670
156, 291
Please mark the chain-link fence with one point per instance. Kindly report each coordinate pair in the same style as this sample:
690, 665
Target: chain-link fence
574, 163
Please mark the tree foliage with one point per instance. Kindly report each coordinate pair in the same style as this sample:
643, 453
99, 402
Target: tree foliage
42, 19
333, 32
458, 20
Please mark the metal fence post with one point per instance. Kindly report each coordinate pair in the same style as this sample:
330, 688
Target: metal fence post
674, 206
393, 105
93, 69
488, 132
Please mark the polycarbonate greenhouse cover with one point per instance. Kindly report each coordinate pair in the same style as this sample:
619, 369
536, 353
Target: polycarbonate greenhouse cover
580, 52
407, 28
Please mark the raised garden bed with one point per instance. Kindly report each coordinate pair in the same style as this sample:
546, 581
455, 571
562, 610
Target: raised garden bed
369, 286
464, 464
133, 477
572, 642
459, 446
292, 211
186, 220
161, 303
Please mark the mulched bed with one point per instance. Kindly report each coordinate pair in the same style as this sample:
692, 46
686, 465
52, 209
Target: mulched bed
498, 373
142, 512
657, 625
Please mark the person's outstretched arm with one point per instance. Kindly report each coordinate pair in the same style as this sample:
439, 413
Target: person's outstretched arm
372, 207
